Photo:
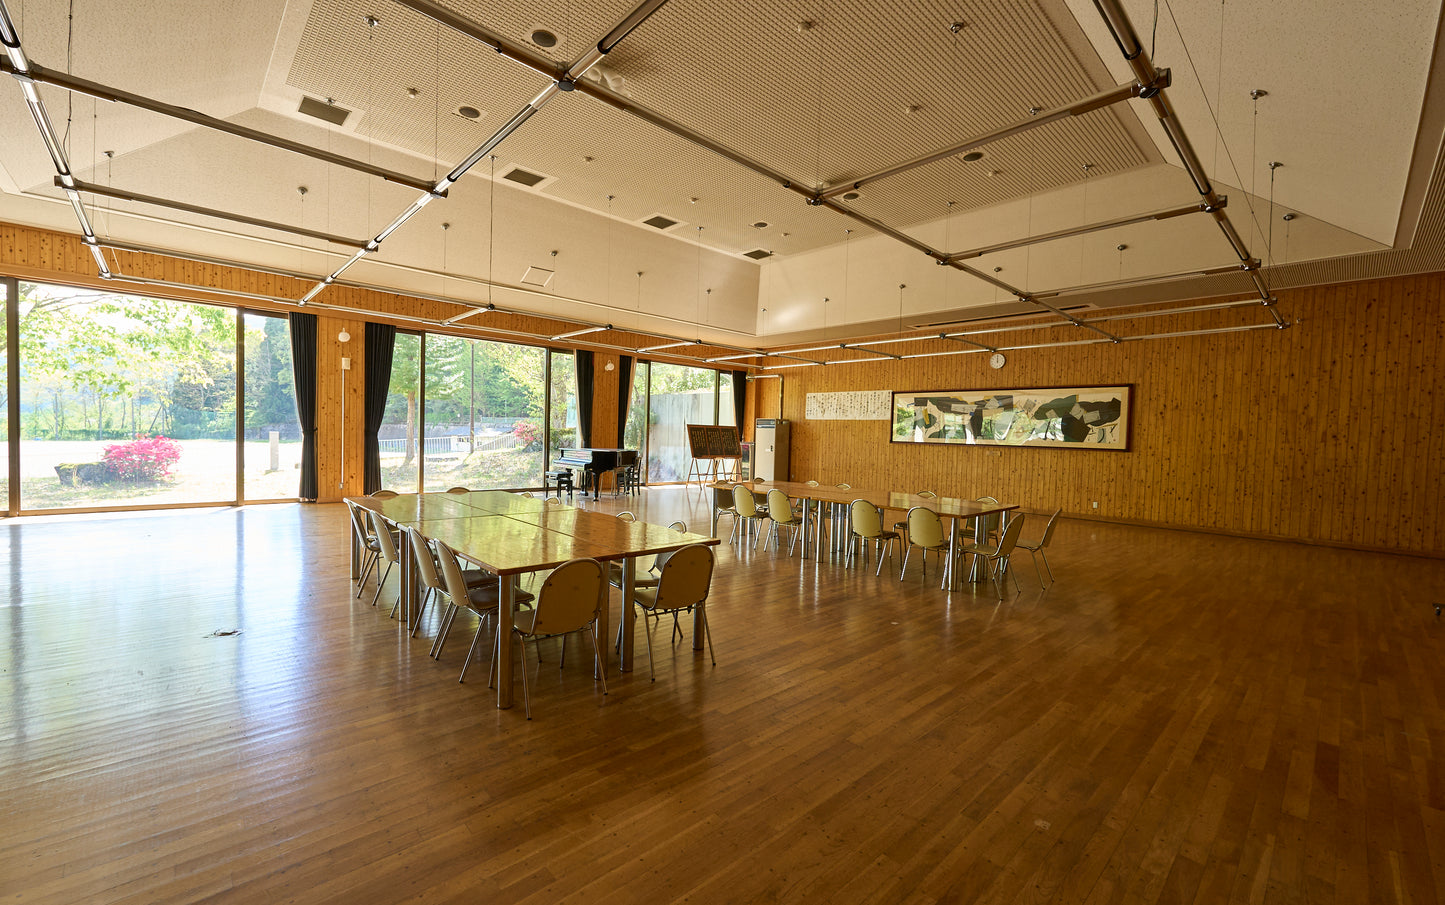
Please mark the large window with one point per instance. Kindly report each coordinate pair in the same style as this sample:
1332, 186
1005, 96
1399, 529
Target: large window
562, 426
678, 396
124, 401
4, 396
401, 424
272, 439
483, 414
634, 433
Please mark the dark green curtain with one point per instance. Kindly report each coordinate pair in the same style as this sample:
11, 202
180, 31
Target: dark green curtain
740, 398
624, 396
380, 343
303, 368
584, 364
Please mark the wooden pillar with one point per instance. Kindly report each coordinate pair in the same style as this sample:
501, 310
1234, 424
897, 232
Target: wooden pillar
339, 459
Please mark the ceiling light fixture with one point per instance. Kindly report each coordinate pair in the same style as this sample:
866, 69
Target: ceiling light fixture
971, 156
467, 112
666, 346
544, 38
583, 332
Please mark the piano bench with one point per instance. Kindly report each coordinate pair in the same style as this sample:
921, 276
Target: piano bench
561, 479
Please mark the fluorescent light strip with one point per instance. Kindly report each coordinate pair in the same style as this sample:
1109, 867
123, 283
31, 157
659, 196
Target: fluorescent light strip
781, 367
583, 332
667, 346
735, 357
949, 352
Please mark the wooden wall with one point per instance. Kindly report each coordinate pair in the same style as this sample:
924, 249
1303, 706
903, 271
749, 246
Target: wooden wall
1330, 431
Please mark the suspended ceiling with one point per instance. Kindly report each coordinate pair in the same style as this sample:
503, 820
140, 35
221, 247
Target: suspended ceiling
824, 92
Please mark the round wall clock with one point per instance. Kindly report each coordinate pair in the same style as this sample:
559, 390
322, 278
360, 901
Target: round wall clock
996, 360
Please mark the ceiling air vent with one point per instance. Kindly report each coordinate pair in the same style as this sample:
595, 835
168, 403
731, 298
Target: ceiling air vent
524, 177
323, 110
757, 254
658, 221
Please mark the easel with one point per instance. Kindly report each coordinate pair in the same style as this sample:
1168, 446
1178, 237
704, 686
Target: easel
710, 444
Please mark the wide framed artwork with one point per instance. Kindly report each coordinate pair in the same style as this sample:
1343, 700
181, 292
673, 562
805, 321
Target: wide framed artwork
1061, 417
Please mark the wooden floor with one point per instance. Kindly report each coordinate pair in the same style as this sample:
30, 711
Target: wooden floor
1182, 718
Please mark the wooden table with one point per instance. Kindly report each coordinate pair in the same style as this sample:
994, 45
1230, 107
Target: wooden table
510, 535
946, 507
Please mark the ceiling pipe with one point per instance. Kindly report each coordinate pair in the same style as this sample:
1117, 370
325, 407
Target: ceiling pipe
1132, 48
209, 212
1087, 228
21, 68
1096, 101
1067, 291
116, 95
567, 81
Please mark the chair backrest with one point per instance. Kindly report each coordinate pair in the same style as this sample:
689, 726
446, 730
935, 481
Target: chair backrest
454, 583
686, 578
661, 559
383, 537
358, 523
426, 564
864, 516
924, 527
458, 490
1010, 535
569, 598
552, 501
744, 501
1049, 528
990, 522
383, 494
780, 508
844, 486
812, 483
626, 516
927, 494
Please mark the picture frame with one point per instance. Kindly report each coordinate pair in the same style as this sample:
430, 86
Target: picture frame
1092, 417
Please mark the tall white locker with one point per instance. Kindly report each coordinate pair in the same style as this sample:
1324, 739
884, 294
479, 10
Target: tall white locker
772, 437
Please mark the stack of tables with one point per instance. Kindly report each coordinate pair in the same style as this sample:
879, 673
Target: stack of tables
509, 535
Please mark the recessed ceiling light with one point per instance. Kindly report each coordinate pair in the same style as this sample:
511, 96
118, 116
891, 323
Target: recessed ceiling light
544, 38
469, 112
761, 224
971, 156
851, 196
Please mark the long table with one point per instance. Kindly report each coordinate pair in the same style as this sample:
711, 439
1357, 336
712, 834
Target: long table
818, 495
510, 535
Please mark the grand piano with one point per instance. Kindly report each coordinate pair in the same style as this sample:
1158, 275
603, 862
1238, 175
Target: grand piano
594, 463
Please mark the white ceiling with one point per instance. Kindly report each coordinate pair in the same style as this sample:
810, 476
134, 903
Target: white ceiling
822, 102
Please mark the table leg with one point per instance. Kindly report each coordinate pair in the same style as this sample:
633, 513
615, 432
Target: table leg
629, 583
408, 590
805, 527
698, 621
506, 618
949, 578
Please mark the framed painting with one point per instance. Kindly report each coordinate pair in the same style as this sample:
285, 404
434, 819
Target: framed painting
1066, 417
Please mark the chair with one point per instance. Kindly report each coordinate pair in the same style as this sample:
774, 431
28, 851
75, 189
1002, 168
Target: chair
925, 494
365, 542
925, 531
644, 575
552, 501
428, 569
866, 526
458, 490
383, 494
988, 525
748, 511
484, 601
721, 503
683, 584
569, 601
999, 552
1036, 548
387, 544
626, 516
782, 514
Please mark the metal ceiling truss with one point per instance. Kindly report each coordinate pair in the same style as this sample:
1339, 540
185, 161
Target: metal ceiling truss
20, 68
1149, 84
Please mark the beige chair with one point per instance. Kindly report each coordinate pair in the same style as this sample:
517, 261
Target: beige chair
387, 543
383, 494
902, 526
683, 584
569, 601
1036, 548
428, 569
868, 526
749, 514
458, 490
626, 516
925, 531
998, 553
552, 501
782, 514
722, 505
365, 541
644, 575
484, 601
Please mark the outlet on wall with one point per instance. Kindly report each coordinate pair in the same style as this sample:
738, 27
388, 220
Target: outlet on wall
1096, 504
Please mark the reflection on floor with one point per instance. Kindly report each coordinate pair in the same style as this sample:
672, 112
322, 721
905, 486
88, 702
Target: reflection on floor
194, 706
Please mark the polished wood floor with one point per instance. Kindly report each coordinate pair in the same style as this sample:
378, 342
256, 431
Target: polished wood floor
1182, 718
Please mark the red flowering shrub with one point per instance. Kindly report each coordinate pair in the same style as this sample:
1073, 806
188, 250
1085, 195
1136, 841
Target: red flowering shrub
528, 434
146, 459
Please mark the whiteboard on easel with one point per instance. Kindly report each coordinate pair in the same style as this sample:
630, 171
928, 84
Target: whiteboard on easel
856, 405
